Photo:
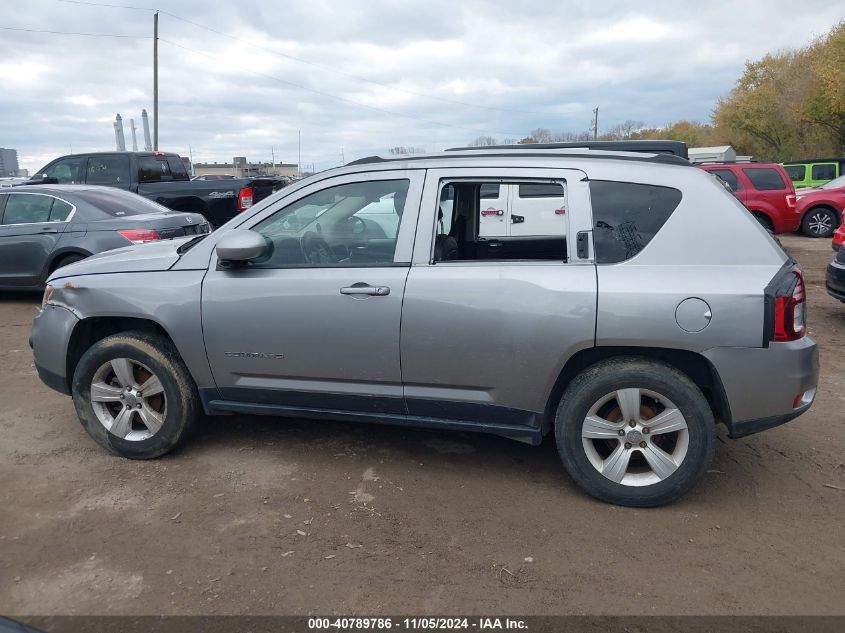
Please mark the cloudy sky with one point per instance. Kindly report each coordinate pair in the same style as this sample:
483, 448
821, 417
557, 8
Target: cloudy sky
359, 77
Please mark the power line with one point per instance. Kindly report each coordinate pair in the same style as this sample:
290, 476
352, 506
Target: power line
330, 95
140, 37
307, 62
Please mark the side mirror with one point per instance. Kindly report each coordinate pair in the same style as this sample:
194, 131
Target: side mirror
240, 246
42, 179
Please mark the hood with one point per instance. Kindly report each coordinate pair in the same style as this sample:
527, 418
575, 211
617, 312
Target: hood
154, 256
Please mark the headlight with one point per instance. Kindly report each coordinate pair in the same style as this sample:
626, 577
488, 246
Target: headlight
48, 294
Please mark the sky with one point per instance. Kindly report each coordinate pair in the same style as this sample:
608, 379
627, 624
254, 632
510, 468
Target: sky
356, 78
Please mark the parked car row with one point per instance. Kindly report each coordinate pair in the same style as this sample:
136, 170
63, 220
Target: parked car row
45, 227
517, 291
161, 177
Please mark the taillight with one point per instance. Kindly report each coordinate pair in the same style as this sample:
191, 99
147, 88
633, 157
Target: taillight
790, 307
790, 200
244, 198
139, 236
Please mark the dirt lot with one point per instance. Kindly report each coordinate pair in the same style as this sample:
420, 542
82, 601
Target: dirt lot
267, 516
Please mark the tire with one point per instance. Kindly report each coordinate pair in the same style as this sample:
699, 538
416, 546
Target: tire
640, 485
158, 420
819, 222
764, 220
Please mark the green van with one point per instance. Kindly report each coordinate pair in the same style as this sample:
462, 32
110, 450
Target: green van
814, 172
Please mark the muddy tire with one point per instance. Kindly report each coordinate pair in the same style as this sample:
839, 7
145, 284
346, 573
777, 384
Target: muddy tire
635, 432
134, 395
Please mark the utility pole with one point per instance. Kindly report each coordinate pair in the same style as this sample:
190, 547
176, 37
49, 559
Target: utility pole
596, 123
191, 157
299, 152
342, 156
273, 160
155, 81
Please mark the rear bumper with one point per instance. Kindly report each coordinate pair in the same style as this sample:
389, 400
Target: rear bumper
51, 332
762, 384
835, 280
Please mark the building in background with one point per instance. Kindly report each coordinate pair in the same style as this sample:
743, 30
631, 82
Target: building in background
718, 154
240, 167
8, 163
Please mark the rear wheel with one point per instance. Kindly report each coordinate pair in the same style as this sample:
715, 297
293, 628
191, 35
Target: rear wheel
819, 222
134, 395
635, 432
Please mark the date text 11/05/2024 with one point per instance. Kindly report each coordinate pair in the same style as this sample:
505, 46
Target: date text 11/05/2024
425, 623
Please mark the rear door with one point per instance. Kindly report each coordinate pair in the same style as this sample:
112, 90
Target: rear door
31, 225
486, 333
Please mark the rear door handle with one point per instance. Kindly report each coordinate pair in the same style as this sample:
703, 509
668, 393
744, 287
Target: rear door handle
365, 289
49, 229
517, 219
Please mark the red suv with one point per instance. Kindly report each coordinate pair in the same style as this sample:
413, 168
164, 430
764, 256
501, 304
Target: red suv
765, 189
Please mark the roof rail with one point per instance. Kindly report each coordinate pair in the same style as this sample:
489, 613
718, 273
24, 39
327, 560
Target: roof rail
675, 148
527, 150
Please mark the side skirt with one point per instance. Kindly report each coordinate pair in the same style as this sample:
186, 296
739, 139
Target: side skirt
513, 431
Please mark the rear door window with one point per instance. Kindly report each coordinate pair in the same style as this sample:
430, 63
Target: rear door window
729, 177
27, 208
764, 178
626, 216
108, 170
824, 171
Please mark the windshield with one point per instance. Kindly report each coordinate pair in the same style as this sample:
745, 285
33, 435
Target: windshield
836, 183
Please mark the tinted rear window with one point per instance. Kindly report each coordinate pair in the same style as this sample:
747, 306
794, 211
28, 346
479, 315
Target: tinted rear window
489, 191
765, 178
118, 204
541, 190
153, 169
627, 216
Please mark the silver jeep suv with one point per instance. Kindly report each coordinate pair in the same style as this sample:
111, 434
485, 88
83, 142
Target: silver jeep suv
623, 301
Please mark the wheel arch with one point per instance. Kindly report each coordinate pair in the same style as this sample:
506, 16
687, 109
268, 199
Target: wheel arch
56, 256
695, 366
93, 329
827, 207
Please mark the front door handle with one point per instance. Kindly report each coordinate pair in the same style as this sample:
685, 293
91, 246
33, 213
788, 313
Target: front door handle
366, 289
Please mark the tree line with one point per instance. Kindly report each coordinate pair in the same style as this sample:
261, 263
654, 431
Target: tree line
785, 106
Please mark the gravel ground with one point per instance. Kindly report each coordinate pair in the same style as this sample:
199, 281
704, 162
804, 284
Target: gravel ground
265, 516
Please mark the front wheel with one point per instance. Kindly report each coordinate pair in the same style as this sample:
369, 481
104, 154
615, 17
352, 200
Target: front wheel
635, 432
134, 395
819, 222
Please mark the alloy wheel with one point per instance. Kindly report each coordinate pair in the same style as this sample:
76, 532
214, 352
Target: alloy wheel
635, 437
128, 399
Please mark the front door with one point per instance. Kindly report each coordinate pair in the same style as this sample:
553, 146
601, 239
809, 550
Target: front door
31, 225
314, 326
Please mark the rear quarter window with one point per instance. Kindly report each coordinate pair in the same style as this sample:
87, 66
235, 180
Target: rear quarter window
729, 177
764, 178
626, 216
